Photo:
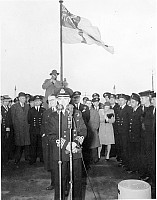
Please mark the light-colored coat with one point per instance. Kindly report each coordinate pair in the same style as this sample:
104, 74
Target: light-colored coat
106, 133
20, 124
93, 129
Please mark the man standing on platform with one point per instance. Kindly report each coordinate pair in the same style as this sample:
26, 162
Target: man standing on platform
51, 86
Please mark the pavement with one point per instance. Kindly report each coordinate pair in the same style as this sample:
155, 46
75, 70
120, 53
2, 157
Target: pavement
28, 182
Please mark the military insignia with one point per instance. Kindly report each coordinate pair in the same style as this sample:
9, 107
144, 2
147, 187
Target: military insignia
62, 142
80, 139
62, 91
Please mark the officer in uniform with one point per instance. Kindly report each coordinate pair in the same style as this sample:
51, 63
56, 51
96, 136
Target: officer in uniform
135, 127
35, 115
86, 117
123, 128
5, 129
79, 132
46, 144
146, 135
115, 148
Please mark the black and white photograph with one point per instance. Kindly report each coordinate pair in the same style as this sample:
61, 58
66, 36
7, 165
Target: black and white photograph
78, 99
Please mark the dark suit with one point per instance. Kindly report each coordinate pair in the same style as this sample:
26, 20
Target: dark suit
35, 120
123, 131
50, 130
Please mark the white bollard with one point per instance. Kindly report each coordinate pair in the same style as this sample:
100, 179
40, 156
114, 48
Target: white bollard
134, 189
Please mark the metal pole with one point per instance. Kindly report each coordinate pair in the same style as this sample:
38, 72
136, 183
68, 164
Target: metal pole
152, 81
59, 160
71, 160
61, 45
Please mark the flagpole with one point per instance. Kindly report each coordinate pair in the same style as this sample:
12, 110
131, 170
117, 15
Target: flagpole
152, 81
61, 45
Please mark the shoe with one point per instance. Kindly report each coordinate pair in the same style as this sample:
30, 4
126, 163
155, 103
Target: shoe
50, 187
107, 159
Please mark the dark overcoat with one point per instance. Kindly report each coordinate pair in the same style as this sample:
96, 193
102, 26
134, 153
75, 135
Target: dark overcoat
20, 124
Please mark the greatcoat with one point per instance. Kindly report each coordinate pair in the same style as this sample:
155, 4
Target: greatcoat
20, 124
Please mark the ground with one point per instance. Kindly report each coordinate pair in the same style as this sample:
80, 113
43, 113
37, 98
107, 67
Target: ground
28, 182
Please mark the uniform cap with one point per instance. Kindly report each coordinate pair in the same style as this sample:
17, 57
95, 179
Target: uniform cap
37, 97
113, 96
135, 96
64, 92
96, 99
106, 94
21, 94
54, 72
145, 93
123, 96
95, 95
76, 94
85, 98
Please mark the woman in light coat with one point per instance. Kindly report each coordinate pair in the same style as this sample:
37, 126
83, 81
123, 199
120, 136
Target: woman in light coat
106, 133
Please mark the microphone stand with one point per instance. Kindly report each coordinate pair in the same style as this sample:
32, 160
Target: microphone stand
59, 160
70, 155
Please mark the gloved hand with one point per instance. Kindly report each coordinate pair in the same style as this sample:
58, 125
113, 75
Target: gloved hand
73, 147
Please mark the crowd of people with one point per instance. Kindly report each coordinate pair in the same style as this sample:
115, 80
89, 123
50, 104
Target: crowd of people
124, 127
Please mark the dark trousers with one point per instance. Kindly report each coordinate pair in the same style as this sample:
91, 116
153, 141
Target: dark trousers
77, 178
36, 147
5, 144
134, 156
118, 147
146, 153
124, 149
19, 151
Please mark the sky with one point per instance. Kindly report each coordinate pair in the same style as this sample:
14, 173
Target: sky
30, 46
